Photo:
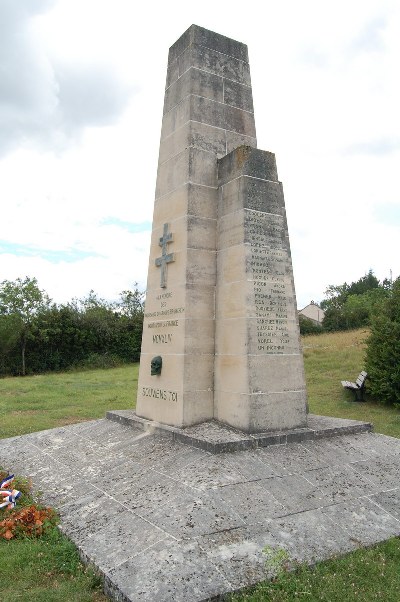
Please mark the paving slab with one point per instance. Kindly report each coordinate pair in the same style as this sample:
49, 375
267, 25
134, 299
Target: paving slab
164, 520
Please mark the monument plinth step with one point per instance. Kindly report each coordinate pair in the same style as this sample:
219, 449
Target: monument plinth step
216, 438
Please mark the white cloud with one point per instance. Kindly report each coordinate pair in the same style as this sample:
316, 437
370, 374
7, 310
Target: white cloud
44, 102
80, 116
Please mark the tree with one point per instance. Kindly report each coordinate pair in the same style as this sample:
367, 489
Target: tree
352, 305
366, 283
21, 302
89, 332
131, 302
383, 349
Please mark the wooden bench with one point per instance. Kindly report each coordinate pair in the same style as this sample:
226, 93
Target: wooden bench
358, 387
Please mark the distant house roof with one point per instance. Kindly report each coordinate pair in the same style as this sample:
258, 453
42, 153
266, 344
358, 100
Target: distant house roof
313, 312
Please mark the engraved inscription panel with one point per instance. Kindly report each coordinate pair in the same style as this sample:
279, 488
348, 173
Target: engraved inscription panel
162, 335
272, 284
163, 323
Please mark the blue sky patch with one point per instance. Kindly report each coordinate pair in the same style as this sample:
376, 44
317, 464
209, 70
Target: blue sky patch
132, 227
388, 214
379, 146
68, 255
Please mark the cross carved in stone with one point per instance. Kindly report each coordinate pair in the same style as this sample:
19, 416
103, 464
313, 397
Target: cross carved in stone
165, 257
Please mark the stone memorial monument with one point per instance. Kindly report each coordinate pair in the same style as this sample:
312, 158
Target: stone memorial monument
220, 335
221, 370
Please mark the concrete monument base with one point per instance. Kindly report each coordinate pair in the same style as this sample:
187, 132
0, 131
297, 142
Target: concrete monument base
217, 438
165, 521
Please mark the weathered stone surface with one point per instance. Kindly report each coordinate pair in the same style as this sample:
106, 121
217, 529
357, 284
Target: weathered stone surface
165, 521
259, 379
208, 108
216, 437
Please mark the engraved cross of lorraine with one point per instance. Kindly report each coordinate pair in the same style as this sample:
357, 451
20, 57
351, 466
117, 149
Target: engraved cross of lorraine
165, 257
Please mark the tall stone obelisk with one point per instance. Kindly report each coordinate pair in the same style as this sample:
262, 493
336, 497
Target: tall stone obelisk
203, 351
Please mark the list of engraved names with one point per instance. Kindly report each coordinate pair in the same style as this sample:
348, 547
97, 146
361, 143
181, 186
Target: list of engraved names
272, 288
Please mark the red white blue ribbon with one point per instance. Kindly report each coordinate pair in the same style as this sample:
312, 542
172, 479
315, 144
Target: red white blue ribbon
8, 497
6, 482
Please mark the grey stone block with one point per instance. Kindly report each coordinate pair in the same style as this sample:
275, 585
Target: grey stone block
207, 111
213, 471
334, 453
222, 44
383, 473
192, 514
255, 465
238, 96
389, 501
89, 512
124, 536
238, 555
294, 458
220, 64
193, 134
194, 81
365, 523
251, 502
307, 536
176, 117
247, 161
170, 570
238, 120
234, 140
263, 195
340, 483
181, 44
222, 116
308, 496
149, 492
209, 39
270, 439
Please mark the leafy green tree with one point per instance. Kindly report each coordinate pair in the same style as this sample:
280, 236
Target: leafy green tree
352, 305
336, 295
21, 302
8, 342
88, 332
131, 303
364, 284
383, 349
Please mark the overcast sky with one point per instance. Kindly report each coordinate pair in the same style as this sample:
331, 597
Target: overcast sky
81, 97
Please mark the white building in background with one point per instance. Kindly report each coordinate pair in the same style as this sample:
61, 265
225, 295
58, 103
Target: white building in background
313, 312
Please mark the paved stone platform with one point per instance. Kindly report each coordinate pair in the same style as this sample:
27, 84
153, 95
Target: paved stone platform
165, 521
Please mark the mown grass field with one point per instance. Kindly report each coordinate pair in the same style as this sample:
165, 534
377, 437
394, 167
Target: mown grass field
49, 569
331, 358
35, 403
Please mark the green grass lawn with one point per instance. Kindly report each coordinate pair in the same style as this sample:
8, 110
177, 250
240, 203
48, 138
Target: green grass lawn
49, 569
35, 403
331, 358
362, 576
46, 570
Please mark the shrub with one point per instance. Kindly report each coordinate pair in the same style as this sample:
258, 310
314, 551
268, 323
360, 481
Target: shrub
383, 350
307, 326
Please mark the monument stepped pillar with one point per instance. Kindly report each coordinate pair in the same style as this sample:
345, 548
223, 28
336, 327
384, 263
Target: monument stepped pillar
220, 333
208, 111
259, 374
